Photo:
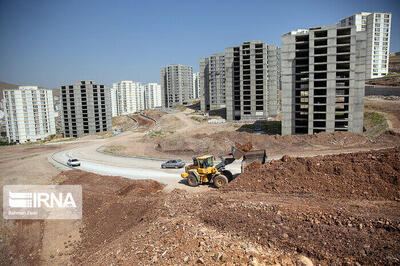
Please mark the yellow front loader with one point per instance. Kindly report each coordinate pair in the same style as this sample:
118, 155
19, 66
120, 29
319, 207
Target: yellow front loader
203, 170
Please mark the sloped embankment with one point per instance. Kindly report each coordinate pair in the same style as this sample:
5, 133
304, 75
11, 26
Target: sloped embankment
363, 175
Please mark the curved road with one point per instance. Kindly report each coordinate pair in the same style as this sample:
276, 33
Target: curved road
107, 164
130, 167
134, 168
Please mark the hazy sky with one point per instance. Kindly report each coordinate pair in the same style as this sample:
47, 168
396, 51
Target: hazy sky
54, 42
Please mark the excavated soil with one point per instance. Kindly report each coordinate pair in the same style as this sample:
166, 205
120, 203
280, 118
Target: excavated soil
111, 206
364, 175
327, 231
330, 210
220, 143
245, 147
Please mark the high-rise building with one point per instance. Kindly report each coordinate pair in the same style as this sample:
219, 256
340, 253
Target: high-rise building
29, 114
86, 108
127, 97
323, 80
252, 81
176, 85
212, 82
196, 85
377, 26
152, 95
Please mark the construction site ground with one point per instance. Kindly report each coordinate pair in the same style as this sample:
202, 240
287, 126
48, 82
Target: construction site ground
183, 137
333, 209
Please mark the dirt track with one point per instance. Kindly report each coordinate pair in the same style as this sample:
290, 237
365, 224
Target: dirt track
391, 110
184, 138
143, 123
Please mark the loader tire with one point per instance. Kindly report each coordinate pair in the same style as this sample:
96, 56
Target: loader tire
220, 180
228, 174
192, 181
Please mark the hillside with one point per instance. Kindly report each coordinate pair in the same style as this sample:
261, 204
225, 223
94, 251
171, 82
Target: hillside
393, 79
394, 62
4, 86
7, 86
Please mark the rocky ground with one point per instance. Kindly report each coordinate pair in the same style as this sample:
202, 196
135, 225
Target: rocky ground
338, 209
182, 137
221, 142
325, 210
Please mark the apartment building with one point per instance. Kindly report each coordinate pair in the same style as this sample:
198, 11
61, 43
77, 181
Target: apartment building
196, 85
176, 85
127, 97
212, 82
252, 81
378, 27
29, 114
152, 95
86, 108
323, 80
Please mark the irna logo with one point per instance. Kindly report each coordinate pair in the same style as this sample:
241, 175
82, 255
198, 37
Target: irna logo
41, 199
42, 202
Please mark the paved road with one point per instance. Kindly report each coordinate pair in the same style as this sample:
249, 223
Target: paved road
107, 164
134, 168
383, 91
95, 162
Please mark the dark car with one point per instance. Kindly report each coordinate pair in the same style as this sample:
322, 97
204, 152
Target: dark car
174, 163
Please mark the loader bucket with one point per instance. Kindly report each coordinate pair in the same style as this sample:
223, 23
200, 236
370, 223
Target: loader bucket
258, 155
236, 153
253, 156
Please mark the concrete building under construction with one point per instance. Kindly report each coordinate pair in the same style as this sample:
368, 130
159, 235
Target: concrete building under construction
245, 80
212, 82
323, 80
252, 81
176, 85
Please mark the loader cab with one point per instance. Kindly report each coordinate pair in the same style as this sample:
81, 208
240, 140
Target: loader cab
205, 164
205, 161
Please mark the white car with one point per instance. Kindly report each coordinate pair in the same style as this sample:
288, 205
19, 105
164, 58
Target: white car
73, 162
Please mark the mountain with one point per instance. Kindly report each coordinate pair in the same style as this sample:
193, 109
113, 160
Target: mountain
394, 62
6, 86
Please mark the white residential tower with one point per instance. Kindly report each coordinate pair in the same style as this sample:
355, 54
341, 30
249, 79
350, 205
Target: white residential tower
377, 26
29, 114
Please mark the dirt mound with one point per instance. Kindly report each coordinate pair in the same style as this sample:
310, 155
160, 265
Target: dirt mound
246, 147
220, 143
111, 205
330, 232
370, 175
129, 222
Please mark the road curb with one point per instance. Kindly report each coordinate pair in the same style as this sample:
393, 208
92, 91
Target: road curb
57, 161
128, 156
